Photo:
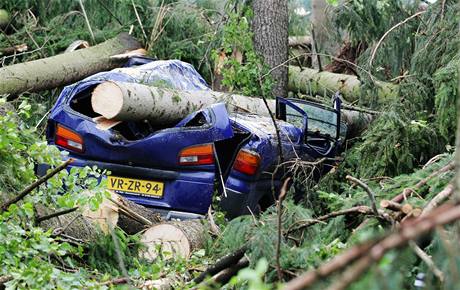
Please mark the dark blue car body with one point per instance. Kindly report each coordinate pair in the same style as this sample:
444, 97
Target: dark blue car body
138, 151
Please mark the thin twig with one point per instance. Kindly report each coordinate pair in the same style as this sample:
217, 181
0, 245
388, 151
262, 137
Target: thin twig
427, 259
34, 185
87, 21
61, 230
139, 20
55, 214
402, 196
369, 192
110, 12
442, 196
360, 209
281, 197
388, 32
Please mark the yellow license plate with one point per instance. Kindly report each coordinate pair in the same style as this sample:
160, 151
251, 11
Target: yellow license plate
137, 186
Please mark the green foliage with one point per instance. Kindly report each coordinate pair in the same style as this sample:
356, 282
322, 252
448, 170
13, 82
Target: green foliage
367, 21
253, 277
401, 144
251, 76
422, 121
185, 32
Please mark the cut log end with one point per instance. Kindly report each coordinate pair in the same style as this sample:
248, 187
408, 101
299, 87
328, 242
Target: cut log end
172, 239
166, 238
107, 100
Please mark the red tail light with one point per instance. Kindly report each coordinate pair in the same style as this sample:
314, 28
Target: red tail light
197, 155
247, 162
68, 139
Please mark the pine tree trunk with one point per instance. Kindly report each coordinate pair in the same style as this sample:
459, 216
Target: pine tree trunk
87, 225
270, 29
457, 156
312, 82
132, 101
63, 69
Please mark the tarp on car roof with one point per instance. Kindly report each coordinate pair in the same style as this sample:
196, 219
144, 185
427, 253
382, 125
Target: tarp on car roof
174, 74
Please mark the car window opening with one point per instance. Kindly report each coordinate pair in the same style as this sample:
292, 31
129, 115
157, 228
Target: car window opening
197, 121
128, 131
227, 150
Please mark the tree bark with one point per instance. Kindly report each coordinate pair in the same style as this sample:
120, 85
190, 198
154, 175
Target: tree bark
130, 224
312, 82
270, 29
130, 102
173, 238
63, 69
88, 225
299, 40
457, 155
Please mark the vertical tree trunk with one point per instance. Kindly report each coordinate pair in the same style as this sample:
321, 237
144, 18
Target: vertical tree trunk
457, 155
270, 29
318, 19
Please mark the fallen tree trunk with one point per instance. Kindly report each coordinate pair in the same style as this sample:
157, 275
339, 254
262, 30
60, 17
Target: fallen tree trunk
66, 68
87, 225
83, 225
299, 41
312, 82
175, 238
133, 217
132, 101
13, 49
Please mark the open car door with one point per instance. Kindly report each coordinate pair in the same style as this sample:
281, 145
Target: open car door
321, 128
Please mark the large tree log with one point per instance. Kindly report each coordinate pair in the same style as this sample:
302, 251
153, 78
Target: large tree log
131, 101
133, 217
84, 224
87, 225
176, 238
299, 40
312, 82
63, 69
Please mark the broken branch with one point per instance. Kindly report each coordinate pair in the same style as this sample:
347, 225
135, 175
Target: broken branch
34, 185
55, 214
400, 197
222, 264
281, 197
372, 252
369, 192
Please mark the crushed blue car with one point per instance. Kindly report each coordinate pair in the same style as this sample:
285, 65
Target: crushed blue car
177, 168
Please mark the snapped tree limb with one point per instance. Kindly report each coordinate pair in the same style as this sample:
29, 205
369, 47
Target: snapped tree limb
367, 254
66, 68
